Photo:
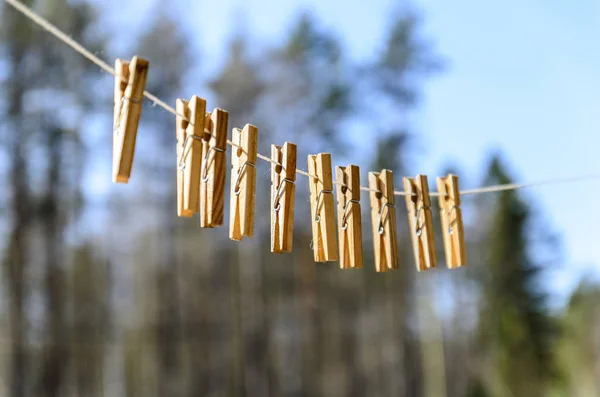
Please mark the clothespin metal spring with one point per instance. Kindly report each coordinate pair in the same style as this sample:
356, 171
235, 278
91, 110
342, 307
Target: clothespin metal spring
116, 128
451, 223
186, 150
238, 180
346, 208
381, 229
277, 205
205, 176
419, 227
317, 215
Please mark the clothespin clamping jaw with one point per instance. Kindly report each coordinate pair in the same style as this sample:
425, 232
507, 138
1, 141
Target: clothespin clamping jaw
383, 217
130, 80
212, 182
420, 221
324, 241
452, 223
243, 187
283, 193
190, 130
349, 219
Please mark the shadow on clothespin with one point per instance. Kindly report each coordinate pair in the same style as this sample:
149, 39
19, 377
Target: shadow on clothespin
283, 193
452, 223
212, 182
130, 80
383, 217
190, 130
324, 241
420, 221
349, 217
243, 186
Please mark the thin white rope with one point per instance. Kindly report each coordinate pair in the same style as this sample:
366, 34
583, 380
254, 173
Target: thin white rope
54, 30
515, 186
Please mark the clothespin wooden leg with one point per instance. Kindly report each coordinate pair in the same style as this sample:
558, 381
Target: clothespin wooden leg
128, 109
243, 182
349, 217
452, 223
181, 107
190, 129
283, 193
212, 190
420, 221
324, 241
383, 216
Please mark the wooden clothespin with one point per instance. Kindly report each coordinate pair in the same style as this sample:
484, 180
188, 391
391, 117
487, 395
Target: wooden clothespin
190, 130
212, 186
243, 189
349, 217
322, 209
130, 80
383, 216
452, 223
420, 221
283, 193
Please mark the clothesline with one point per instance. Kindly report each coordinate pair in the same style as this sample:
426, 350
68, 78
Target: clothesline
54, 30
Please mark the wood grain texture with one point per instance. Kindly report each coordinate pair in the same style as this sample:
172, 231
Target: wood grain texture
193, 161
282, 221
385, 244
451, 219
129, 116
325, 244
189, 122
121, 79
241, 213
181, 106
417, 196
212, 191
350, 237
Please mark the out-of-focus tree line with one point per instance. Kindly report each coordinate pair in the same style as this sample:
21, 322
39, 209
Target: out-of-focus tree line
109, 293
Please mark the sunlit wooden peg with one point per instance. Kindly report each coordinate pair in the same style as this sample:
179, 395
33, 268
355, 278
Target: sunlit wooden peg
212, 182
349, 217
383, 216
452, 223
243, 182
283, 195
420, 221
130, 80
322, 208
190, 130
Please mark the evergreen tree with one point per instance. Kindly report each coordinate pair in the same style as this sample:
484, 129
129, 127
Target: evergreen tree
515, 328
579, 347
390, 90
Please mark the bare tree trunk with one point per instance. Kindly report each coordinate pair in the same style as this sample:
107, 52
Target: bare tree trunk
168, 327
238, 383
253, 312
310, 346
54, 352
15, 269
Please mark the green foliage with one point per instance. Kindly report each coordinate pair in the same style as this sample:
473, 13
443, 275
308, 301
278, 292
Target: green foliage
579, 348
182, 311
516, 330
406, 57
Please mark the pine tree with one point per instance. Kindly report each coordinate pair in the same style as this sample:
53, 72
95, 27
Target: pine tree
516, 329
579, 347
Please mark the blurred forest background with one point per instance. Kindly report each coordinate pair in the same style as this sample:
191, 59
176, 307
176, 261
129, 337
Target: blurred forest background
113, 295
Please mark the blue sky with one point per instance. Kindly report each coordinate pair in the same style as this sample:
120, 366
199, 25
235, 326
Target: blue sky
522, 77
